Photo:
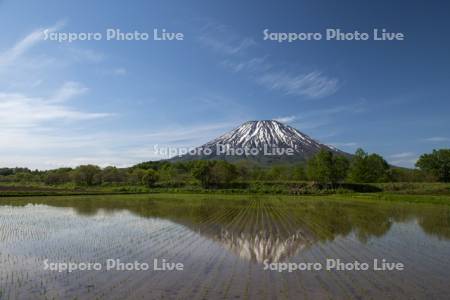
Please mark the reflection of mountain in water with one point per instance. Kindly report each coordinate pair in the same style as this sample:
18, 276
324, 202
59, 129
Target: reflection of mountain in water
263, 245
257, 231
267, 228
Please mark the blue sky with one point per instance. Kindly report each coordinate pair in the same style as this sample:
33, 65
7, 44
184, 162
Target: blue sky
111, 102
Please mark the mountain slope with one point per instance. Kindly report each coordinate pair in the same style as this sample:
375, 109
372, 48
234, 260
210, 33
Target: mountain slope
263, 141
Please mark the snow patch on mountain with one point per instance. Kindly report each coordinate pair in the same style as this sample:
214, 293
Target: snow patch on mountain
272, 140
256, 134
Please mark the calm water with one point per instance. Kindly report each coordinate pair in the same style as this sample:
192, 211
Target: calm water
224, 245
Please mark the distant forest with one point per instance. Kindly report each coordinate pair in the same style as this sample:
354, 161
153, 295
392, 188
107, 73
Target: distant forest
324, 168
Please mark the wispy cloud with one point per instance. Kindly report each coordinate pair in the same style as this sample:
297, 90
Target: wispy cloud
31, 61
22, 46
405, 159
312, 85
402, 155
351, 108
120, 71
313, 119
437, 139
343, 144
19, 111
52, 147
68, 91
84, 55
40, 125
252, 65
223, 40
114, 71
43, 127
286, 119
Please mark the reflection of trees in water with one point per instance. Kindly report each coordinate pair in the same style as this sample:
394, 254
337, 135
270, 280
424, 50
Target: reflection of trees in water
272, 229
438, 225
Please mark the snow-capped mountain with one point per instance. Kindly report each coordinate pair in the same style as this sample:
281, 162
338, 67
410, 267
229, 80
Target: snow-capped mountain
261, 140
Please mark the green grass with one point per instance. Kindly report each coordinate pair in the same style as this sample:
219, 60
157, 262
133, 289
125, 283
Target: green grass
420, 188
391, 197
359, 197
435, 193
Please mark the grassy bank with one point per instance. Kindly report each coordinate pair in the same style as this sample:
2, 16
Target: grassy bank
437, 193
355, 197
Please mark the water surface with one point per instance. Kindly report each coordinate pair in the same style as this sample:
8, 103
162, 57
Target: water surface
224, 244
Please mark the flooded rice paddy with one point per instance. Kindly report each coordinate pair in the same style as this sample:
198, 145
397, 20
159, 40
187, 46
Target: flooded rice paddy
229, 247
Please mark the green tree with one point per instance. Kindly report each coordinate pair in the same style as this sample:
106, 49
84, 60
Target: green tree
87, 175
325, 167
6, 171
155, 165
278, 172
201, 171
222, 174
25, 177
58, 176
436, 163
113, 175
136, 176
298, 172
214, 173
175, 174
368, 168
340, 168
244, 169
150, 178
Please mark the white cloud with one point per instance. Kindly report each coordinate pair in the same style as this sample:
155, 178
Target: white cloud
225, 48
253, 65
222, 40
437, 139
83, 55
402, 155
52, 147
41, 128
69, 90
286, 119
312, 85
313, 119
344, 144
20, 70
407, 163
120, 71
405, 159
20, 111
12, 54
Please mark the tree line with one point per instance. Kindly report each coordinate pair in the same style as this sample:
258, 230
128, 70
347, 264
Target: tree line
325, 167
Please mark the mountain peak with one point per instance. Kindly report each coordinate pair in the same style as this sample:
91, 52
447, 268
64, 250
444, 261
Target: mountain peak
263, 132
260, 136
